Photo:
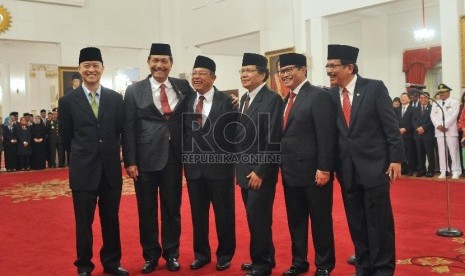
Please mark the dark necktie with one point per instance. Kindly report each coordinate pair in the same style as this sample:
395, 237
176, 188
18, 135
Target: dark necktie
246, 104
198, 110
346, 106
165, 106
423, 108
290, 104
443, 102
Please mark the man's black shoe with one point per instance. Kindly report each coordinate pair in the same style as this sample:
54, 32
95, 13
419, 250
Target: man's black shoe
149, 267
196, 264
223, 265
351, 260
294, 270
253, 272
84, 274
246, 266
173, 264
321, 272
115, 271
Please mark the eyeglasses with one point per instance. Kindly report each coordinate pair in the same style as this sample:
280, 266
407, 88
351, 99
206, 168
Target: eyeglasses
332, 66
248, 70
200, 73
287, 70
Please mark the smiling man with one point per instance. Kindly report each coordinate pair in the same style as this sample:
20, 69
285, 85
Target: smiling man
208, 128
152, 142
308, 151
256, 138
91, 121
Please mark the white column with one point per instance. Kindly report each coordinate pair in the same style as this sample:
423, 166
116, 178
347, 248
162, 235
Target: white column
449, 12
318, 41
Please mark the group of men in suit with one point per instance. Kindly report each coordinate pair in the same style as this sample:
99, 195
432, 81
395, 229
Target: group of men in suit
164, 122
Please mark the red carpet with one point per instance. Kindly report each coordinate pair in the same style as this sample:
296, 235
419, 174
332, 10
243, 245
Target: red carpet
37, 229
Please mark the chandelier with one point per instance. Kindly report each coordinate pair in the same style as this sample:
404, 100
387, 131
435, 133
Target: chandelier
423, 35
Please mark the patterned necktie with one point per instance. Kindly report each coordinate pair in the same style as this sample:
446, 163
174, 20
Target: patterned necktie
93, 104
246, 104
198, 109
290, 104
346, 106
423, 110
165, 106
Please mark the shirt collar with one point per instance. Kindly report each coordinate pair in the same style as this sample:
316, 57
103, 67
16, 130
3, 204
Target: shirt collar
155, 84
87, 91
208, 96
351, 86
297, 89
254, 92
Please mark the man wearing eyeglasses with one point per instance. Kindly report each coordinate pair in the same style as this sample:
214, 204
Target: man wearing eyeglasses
370, 152
308, 151
258, 151
208, 136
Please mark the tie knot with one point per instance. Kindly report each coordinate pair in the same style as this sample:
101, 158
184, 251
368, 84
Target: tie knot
292, 95
92, 95
162, 86
201, 98
344, 90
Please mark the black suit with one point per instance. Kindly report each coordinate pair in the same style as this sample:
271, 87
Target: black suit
94, 170
405, 121
308, 145
365, 150
260, 135
55, 142
211, 181
424, 142
154, 144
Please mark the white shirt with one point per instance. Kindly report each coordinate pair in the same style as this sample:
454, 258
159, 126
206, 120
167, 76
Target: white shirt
207, 104
252, 95
97, 94
451, 111
296, 92
351, 88
170, 93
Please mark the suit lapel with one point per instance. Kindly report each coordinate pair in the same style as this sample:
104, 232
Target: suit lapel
147, 95
82, 101
214, 111
337, 98
256, 101
357, 99
299, 98
180, 95
104, 101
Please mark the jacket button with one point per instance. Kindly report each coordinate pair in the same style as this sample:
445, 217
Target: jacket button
101, 141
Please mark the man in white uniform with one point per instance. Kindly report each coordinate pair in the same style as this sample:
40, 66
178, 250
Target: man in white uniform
451, 111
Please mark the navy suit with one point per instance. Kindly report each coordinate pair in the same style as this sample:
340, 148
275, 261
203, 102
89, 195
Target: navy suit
308, 145
365, 150
424, 142
154, 144
260, 135
94, 170
405, 121
211, 181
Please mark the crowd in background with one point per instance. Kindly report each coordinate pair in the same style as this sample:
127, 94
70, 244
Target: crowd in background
31, 142
428, 137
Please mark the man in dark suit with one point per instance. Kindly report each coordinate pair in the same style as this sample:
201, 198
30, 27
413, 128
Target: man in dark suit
258, 148
152, 147
404, 116
10, 145
76, 82
424, 136
370, 152
90, 121
55, 141
307, 161
208, 133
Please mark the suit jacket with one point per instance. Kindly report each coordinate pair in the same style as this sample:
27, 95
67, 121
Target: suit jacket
372, 140
213, 139
423, 120
53, 131
93, 144
451, 109
9, 135
406, 120
147, 134
23, 135
259, 135
309, 139
1, 136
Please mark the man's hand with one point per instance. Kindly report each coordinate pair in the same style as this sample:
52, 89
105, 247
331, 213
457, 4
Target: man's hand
402, 130
394, 171
235, 101
255, 181
420, 130
321, 177
132, 171
442, 128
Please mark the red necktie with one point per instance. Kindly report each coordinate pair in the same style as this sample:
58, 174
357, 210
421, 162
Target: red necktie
290, 104
198, 110
346, 106
165, 106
